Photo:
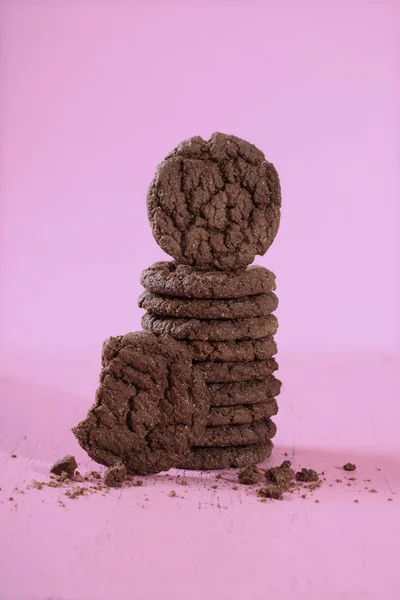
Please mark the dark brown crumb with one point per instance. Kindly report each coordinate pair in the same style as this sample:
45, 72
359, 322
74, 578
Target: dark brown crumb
390, 499
172, 494
349, 467
378, 469
214, 487
13, 456
272, 491
219, 476
264, 500
338, 481
78, 477
38, 484
115, 475
74, 493
95, 474
249, 475
355, 501
307, 475
138, 483
373, 491
67, 465
304, 496
281, 476
183, 481
317, 501
352, 479
11, 499
235, 487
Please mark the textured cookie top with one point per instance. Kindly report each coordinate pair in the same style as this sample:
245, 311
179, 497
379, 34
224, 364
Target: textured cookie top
149, 406
170, 279
215, 204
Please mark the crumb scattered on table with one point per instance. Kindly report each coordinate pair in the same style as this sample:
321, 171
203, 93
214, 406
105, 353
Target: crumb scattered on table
249, 475
115, 475
349, 467
67, 465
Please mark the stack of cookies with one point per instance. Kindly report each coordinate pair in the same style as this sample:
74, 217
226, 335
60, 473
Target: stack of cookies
197, 388
213, 206
225, 318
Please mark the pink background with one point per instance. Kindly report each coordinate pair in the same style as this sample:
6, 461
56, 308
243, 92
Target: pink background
93, 94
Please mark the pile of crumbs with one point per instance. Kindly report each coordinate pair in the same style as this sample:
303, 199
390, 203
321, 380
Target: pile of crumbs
270, 484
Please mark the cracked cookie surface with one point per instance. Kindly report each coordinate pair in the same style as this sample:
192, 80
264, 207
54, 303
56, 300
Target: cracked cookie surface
238, 435
235, 351
214, 329
150, 404
171, 279
215, 203
227, 372
235, 308
249, 392
230, 457
242, 414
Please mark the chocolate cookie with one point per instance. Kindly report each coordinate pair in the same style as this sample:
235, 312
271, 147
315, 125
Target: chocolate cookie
242, 414
215, 203
189, 308
238, 351
150, 406
215, 330
232, 394
233, 457
171, 279
227, 372
238, 435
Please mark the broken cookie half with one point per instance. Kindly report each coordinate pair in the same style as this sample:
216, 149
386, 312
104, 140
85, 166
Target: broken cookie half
150, 406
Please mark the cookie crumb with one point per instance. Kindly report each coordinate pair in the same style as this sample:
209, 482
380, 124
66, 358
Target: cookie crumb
373, 491
249, 475
13, 456
78, 477
219, 476
11, 499
307, 475
355, 501
214, 487
235, 487
115, 475
38, 485
77, 491
183, 481
67, 465
172, 494
272, 491
138, 483
281, 476
349, 467
390, 499
317, 501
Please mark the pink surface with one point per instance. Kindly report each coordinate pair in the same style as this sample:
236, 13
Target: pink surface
92, 97
210, 543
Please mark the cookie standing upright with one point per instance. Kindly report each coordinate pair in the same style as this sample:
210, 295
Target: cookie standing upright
215, 204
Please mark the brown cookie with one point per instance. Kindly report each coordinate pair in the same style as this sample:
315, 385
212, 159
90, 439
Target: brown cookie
150, 406
172, 279
229, 372
189, 308
232, 394
233, 457
242, 414
238, 435
237, 351
216, 203
214, 330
